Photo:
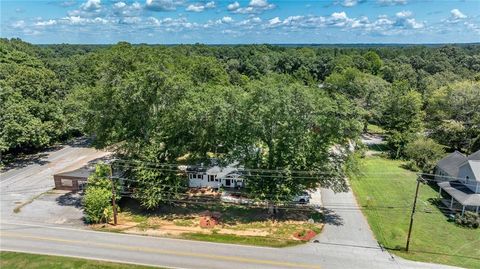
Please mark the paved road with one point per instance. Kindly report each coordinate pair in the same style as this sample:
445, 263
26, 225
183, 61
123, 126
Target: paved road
187, 254
349, 245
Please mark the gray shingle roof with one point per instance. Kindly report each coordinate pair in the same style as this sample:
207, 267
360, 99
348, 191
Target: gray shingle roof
451, 163
461, 193
474, 156
80, 173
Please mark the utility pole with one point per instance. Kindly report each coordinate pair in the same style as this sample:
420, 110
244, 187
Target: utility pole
419, 179
114, 205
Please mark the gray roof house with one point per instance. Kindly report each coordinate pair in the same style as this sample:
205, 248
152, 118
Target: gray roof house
458, 175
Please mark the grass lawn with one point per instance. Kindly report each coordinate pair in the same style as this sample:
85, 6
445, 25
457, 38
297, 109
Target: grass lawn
242, 240
238, 224
14, 260
384, 183
375, 129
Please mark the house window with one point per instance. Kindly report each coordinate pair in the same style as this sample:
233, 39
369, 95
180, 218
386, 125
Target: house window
67, 182
190, 176
212, 178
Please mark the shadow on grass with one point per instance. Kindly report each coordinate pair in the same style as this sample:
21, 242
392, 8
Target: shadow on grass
230, 214
378, 147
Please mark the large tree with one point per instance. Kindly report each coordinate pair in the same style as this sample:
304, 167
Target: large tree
453, 115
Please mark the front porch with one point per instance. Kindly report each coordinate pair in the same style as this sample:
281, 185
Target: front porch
461, 198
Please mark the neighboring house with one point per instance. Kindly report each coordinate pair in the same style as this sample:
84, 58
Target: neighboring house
74, 180
459, 176
215, 176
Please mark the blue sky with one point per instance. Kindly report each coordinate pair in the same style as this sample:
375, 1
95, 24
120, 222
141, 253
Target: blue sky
241, 21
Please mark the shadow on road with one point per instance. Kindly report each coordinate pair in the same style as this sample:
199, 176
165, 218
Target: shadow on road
70, 199
20, 161
331, 217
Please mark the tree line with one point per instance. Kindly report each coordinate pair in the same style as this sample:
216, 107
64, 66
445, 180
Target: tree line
271, 107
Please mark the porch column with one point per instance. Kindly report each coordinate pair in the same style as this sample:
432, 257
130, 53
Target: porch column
463, 210
451, 203
439, 192
476, 210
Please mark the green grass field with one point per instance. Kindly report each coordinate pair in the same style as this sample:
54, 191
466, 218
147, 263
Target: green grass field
14, 260
383, 184
243, 240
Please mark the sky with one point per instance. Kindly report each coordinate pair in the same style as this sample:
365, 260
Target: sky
241, 21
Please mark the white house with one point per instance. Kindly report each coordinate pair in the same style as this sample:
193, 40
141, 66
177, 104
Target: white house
215, 176
459, 176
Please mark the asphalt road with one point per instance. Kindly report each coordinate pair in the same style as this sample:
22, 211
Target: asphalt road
346, 242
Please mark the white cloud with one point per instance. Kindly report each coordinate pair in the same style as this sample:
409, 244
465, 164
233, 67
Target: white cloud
250, 23
392, 2
349, 3
404, 20
91, 5
274, 21
68, 3
413, 24
227, 19
19, 24
258, 3
457, 14
254, 6
233, 6
195, 8
119, 5
77, 20
46, 23
339, 15
124, 10
162, 5
90, 8
199, 7
404, 14
210, 4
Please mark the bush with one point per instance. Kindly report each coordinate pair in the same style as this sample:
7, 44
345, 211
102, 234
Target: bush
97, 205
469, 220
97, 201
424, 153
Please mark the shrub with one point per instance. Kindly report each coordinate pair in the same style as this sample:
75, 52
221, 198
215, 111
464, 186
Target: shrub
469, 220
424, 153
97, 205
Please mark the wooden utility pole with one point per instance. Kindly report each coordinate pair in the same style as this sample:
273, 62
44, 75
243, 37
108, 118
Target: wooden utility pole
413, 213
114, 205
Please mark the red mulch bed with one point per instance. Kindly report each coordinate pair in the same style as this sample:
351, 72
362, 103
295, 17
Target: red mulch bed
305, 236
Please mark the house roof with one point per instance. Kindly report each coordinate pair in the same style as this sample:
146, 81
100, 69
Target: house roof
80, 173
461, 193
474, 156
451, 163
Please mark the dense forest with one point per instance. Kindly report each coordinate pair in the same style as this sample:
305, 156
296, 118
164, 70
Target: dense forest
274, 108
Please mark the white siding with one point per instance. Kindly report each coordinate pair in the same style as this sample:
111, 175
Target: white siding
467, 177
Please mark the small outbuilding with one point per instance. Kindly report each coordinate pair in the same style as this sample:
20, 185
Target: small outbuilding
74, 180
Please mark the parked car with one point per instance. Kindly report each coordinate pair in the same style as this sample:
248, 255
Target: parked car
302, 198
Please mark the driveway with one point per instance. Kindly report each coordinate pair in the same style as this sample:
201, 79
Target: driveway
346, 240
33, 178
